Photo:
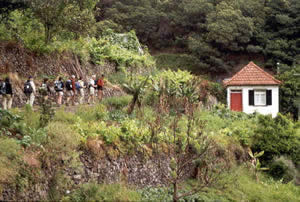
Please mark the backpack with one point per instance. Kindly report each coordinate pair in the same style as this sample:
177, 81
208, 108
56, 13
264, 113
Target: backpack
43, 89
28, 88
77, 85
2, 88
43, 86
58, 86
69, 85
100, 83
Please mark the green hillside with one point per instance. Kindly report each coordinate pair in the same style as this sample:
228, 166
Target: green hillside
167, 134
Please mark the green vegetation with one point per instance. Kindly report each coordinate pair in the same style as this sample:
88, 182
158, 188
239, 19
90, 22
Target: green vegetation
123, 50
95, 192
202, 151
240, 186
177, 61
289, 91
215, 143
212, 31
69, 26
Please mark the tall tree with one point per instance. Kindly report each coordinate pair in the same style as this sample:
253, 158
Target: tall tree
7, 6
50, 14
72, 15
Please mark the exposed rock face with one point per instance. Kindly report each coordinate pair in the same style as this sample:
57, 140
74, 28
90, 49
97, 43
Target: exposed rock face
135, 170
16, 59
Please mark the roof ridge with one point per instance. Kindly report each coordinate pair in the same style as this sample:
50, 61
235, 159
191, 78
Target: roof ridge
241, 76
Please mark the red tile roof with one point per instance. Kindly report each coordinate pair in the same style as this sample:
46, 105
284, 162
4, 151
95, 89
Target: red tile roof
251, 75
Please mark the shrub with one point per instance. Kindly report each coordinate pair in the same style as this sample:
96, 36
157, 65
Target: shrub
62, 143
96, 113
114, 48
119, 77
117, 115
67, 117
118, 102
31, 118
46, 113
10, 159
155, 194
276, 137
282, 169
34, 137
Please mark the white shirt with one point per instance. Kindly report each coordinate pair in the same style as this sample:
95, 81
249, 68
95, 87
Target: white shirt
92, 83
33, 86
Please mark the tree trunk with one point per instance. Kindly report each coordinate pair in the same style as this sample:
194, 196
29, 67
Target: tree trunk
133, 102
47, 34
175, 199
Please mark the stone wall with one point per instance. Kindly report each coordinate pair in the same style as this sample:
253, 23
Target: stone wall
134, 170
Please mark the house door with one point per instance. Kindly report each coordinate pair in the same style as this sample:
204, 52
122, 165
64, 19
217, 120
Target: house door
236, 101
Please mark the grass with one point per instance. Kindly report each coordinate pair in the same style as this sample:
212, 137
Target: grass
104, 192
245, 188
238, 185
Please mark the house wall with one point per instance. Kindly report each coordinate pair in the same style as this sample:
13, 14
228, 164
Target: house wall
270, 109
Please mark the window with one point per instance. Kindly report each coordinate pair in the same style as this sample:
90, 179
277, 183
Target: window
260, 97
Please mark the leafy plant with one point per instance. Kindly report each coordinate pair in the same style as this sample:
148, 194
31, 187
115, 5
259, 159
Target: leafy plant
255, 163
136, 88
122, 51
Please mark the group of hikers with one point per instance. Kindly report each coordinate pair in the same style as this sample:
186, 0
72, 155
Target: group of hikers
70, 88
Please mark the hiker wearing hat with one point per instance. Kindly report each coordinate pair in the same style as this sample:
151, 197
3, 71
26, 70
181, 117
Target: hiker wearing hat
30, 91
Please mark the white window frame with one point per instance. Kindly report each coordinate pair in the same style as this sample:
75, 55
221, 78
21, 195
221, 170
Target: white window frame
260, 97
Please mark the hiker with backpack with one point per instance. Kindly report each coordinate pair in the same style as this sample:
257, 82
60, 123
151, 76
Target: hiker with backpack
44, 89
71, 90
59, 89
100, 84
80, 86
8, 94
30, 91
92, 86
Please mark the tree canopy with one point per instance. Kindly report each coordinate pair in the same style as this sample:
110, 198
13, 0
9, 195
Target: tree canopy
212, 30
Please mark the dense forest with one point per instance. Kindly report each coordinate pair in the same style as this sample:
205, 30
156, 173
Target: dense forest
212, 30
168, 135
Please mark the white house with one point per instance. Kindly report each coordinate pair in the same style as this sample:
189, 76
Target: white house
253, 90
